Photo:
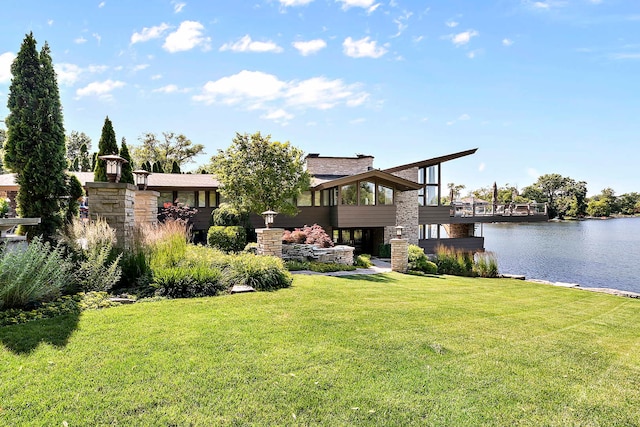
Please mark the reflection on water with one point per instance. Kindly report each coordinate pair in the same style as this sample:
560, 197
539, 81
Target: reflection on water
594, 253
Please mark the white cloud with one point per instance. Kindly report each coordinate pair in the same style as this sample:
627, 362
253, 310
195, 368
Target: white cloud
295, 2
463, 38
619, 56
140, 67
186, 37
69, 74
156, 77
545, 5
255, 90
481, 167
149, 33
309, 47
278, 116
533, 173
80, 40
507, 42
177, 7
245, 44
357, 121
401, 22
171, 89
365, 4
474, 53
50, 22
102, 4
6, 59
362, 48
97, 37
100, 89
464, 117
451, 24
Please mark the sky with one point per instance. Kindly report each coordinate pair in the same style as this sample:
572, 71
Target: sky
537, 86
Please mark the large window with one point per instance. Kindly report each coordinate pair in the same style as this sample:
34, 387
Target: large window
367, 193
187, 198
202, 199
330, 197
349, 194
304, 199
212, 199
429, 178
385, 195
432, 231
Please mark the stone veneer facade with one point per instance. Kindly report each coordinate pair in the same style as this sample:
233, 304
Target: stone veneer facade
406, 210
114, 202
399, 255
339, 166
270, 241
145, 210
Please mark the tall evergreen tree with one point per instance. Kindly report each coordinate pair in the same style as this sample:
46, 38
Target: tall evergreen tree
127, 168
175, 167
107, 145
35, 148
85, 160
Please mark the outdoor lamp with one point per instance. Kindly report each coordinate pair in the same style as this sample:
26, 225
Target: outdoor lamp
142, 178
399, 229
269, 216
114, 166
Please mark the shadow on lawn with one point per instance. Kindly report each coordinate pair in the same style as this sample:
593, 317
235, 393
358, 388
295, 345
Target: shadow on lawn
378, 278
26, 337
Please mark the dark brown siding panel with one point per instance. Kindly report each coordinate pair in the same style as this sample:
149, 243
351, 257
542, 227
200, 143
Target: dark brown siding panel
472, 244
306, 216
364, 216
434, 214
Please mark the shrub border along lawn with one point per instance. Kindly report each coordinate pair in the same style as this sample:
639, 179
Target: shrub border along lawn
385, 349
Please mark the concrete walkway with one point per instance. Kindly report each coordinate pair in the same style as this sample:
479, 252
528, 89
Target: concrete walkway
379, 266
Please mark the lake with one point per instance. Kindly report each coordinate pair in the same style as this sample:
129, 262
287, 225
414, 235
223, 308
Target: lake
592, 253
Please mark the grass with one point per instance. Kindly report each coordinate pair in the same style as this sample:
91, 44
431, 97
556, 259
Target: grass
360, 350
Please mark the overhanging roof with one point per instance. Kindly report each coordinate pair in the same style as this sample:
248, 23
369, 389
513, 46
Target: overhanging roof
400, 183
431, 162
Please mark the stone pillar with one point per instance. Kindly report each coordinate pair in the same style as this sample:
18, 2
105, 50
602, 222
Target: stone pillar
114, 203
145, 209
399, 255
457, 231
270, 241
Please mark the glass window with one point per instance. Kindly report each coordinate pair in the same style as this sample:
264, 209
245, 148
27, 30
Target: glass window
432, 175
212, 199
432, 196
421, 197
202, 199
304, 199
385, 195
187, 198
367, 193
429, 231
348, 194
336, 236
421, 176
165, 197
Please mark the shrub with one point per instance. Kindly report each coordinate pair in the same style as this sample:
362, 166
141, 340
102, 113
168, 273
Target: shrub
363, 260
384, 250
227, 215
227, 238
295, 265
329, 267
177, 212
135, 265
418, 261
85, 237
263, 273
96, 272
486, 264
187, 281
4, 207
36, 274
450, 261
314, 235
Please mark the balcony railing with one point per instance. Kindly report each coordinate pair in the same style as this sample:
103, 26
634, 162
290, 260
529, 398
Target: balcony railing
508, 209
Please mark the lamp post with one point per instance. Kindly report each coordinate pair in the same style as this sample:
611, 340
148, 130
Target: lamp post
142, 178
269, 217
114, 166
399, 229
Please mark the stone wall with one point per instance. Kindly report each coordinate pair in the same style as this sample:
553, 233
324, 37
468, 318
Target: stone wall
146, 207
406, 210
270, 241
338, 165
114, 202
456, 231
399, 255
300, 252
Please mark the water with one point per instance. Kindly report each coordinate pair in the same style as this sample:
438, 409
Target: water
592, 253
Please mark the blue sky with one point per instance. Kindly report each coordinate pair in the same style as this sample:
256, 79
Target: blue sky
537, 86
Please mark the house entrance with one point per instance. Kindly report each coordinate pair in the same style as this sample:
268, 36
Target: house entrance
364, 240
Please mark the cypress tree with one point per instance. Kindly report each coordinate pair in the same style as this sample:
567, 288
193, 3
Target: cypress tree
35, 148
107, 145
85, 162
147, 166
175, 168
127, 168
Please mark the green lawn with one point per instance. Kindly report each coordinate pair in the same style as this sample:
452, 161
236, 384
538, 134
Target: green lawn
361, 350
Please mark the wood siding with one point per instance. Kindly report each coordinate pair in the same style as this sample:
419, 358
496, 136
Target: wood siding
306, 216
346, 216
434, 215
442, 215
471, 244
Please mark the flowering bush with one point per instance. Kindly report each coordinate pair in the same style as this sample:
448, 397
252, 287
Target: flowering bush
314, 235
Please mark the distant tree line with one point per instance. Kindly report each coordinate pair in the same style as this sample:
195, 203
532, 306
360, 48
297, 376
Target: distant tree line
565, 197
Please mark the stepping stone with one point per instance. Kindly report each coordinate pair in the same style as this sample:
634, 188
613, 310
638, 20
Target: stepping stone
238, 289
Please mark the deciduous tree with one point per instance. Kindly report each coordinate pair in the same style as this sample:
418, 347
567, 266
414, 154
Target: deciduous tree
258, 174
78, 146
172, 148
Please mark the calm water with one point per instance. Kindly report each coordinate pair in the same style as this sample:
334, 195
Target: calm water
592, 253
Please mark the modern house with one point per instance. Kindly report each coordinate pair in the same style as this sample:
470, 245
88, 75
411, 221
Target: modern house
357, 204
